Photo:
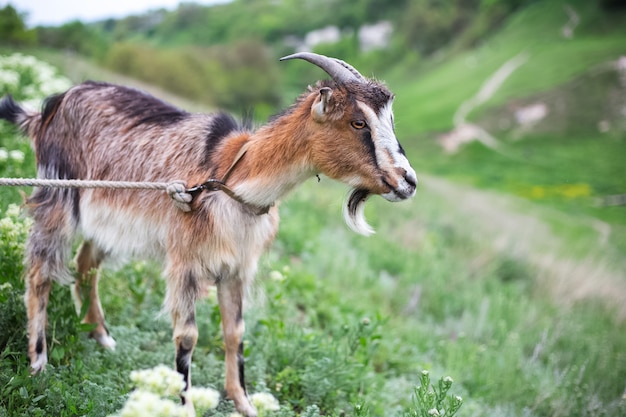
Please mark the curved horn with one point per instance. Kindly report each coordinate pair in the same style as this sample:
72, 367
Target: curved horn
340, 71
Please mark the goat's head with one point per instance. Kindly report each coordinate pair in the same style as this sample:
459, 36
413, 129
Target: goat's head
356, 142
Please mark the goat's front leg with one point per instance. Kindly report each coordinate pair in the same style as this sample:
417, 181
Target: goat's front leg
230, 296
182, 292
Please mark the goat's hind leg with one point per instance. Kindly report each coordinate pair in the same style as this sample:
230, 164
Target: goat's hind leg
88, 259
47, 250
38, 286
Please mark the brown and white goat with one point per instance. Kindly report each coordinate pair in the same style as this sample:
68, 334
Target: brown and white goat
342, 128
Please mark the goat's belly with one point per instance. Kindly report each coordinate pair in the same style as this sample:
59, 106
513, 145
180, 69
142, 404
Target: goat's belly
120, 233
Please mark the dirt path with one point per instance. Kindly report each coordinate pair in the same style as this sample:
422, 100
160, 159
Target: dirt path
522, 229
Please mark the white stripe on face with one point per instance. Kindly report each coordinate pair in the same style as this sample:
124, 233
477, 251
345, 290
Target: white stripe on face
382, 134
391, 160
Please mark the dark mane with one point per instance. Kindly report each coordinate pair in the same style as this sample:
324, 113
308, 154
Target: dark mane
219, 126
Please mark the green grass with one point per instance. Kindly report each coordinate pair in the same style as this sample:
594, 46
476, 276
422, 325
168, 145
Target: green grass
542, 160
309, 343
511, 295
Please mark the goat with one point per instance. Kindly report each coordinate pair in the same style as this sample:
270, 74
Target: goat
342, 128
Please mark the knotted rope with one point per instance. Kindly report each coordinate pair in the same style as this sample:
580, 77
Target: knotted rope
177, 190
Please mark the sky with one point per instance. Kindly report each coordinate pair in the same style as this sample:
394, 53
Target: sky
57, 12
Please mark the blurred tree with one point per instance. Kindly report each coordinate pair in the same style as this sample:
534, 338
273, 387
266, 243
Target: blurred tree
248, 77
131, 26
266, 20
177, 70
13, 30
75, 37
189, 14
431, 24
505, 4
240, 77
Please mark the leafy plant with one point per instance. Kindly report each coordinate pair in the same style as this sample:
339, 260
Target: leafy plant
434, 401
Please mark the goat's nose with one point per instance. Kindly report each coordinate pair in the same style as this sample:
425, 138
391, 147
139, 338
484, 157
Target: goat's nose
406, 189
411, 179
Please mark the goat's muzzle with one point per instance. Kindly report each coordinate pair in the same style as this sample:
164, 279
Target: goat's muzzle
404, 189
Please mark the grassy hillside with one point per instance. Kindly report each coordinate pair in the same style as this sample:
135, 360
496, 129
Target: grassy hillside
566, 161
430, 97
518, 298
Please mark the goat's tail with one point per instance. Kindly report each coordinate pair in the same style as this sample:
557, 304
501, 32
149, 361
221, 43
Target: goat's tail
12, 112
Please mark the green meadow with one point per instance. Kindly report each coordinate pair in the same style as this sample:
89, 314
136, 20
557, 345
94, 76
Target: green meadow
505, 273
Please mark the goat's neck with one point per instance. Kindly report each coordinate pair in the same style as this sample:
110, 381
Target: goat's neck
276, 160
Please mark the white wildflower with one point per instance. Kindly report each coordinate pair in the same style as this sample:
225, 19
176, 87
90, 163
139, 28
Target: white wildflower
31, 90
203, 399
458, 398
17, 156
139, 266
277, 276
433, 412
4, 155
9, 79
143, 403
55, 86
32, 104
8, 228
6, 286
27, 60
264, 401
13, 210
448, 380
159, 380
424, 372
43, 79
45, 73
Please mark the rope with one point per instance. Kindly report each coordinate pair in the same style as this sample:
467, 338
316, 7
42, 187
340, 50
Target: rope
176, 190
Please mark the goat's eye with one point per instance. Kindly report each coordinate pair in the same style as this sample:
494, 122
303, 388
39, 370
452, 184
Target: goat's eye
358, 124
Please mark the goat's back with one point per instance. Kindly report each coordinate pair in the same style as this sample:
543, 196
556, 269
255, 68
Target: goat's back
108, 132
98, 131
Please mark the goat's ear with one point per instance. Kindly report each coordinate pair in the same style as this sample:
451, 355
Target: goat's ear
321, 105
